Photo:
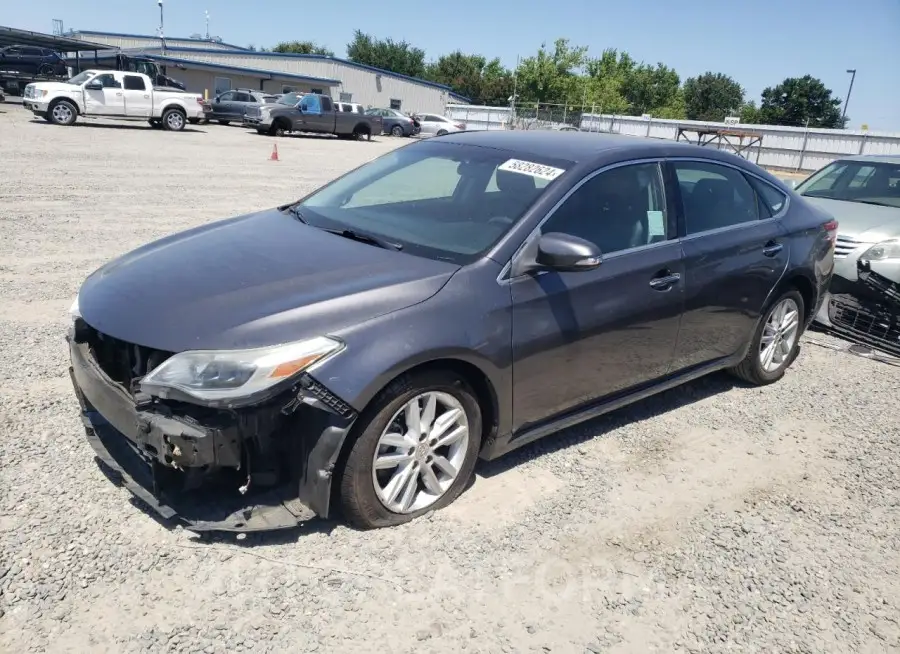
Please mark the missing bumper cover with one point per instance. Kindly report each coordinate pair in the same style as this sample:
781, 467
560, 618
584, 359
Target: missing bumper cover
188, 463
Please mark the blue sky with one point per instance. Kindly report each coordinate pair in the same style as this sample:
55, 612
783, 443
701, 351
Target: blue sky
759, 43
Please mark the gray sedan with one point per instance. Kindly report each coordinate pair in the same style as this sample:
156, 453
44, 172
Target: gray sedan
232, 105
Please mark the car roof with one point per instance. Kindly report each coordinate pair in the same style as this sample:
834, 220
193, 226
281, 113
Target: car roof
875, 158
579, 147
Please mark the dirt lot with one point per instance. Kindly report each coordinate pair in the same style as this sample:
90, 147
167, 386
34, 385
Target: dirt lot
713, 518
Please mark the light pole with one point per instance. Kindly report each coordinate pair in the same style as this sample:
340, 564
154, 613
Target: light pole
852, 72
162, 37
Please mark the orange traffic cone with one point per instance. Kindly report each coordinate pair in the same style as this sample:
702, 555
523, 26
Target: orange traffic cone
274, 156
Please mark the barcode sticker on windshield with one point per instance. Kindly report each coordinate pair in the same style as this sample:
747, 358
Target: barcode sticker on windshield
529, 168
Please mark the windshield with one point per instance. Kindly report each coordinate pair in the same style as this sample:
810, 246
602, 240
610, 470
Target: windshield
290, 98
82, 77
439, 200
869, 182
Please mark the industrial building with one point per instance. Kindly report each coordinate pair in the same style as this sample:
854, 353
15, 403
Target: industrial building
212, 67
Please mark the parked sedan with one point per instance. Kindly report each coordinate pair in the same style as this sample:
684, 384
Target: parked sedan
451, 300
394, 122
863, 194
437, 125
232, 105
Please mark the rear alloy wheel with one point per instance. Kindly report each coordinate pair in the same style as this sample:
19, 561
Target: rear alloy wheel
396, 130
441, 132
416, 451
776, 342
173, 120
63, 113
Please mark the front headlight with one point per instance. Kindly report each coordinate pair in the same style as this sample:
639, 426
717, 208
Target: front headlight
889, 249
232, 374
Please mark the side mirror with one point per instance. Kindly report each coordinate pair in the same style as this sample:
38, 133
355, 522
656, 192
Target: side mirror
94, 86
567, 253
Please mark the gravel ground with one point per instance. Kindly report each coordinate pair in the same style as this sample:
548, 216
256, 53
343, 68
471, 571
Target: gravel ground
714, 518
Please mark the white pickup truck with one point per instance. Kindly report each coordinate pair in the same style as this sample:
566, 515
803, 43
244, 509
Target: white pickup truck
113, 94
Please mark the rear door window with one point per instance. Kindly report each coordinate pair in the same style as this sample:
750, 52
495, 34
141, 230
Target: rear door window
714, 196
135, 83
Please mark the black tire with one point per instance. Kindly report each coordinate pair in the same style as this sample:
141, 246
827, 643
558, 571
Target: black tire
359, 503
396, 130
224, 122
57, 114
441, 132
751, 369
278, 128
362, 132
173, 119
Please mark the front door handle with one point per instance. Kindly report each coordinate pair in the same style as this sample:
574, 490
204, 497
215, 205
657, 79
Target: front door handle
772, 248
665, 282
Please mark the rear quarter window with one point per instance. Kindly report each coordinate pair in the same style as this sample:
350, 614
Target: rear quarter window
772, 200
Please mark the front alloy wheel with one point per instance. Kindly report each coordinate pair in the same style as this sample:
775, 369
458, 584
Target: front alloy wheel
413, 450
420, 452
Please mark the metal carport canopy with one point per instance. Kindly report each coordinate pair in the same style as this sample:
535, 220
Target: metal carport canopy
13, 36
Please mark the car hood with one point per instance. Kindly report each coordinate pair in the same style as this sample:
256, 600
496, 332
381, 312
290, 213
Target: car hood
868, 223
251, 281
54, 86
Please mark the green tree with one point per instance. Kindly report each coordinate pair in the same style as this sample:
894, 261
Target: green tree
483, 82
750, 113
605, 79
711, 97
302, 47
552, 76
798, 99
653, 90
397, 56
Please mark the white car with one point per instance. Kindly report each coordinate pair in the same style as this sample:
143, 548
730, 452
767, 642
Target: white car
435, 125
113, 94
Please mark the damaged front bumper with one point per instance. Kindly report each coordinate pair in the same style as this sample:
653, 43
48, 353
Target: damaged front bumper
261, 468
866, 310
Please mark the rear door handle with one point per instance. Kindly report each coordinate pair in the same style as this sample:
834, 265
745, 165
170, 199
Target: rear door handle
118, 94
772, 248
665, 283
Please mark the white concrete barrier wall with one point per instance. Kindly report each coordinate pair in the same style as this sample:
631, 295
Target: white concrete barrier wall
783, 148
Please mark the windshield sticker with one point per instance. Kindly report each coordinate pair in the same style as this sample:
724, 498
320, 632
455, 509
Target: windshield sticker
533, 169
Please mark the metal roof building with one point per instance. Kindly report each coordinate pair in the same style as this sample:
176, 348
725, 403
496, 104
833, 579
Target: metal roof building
278, 72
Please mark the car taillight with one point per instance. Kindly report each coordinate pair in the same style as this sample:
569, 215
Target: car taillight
831, 228
460, 126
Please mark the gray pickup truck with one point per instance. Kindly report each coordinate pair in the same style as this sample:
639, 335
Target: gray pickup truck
313, 113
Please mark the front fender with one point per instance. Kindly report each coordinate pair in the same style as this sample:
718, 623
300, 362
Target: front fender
455, 324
